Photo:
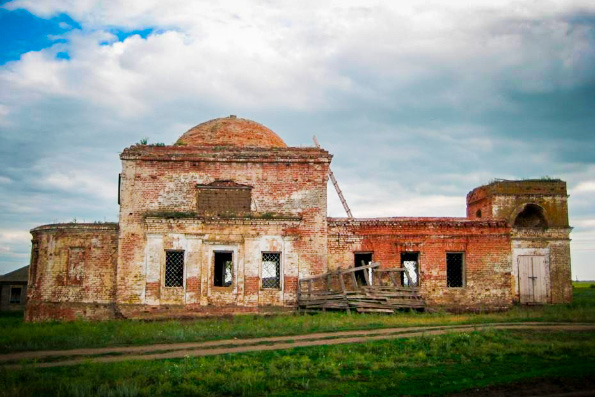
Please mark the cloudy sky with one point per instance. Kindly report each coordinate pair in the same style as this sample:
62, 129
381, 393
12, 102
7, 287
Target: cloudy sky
419, 101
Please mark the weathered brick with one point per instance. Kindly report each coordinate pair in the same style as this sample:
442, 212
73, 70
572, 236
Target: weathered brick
485, 244
92, 291
232, 187
506, 200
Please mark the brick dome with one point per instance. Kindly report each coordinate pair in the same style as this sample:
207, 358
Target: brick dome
231, 131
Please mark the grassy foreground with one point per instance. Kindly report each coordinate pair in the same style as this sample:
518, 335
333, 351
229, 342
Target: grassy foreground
417, 366
15, 335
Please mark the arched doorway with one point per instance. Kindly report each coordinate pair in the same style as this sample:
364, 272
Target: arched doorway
531, 216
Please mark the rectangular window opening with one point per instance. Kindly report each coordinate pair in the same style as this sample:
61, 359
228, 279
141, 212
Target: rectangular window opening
271, 270
362, 259
174, 268
223, 276
454, 270
15, 294
410, 261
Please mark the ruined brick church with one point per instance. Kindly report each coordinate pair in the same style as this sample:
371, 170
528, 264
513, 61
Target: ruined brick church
228, 219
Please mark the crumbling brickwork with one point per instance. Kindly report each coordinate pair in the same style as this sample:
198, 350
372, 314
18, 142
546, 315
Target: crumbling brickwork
485, 246
547, 237
66, 290
200, 220
506, 199
160, 202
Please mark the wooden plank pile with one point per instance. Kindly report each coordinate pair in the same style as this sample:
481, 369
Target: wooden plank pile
379, 291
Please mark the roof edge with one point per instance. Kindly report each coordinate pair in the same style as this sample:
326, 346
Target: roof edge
76, 226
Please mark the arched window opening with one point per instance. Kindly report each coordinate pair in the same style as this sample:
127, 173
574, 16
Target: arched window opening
531, 216
478, 214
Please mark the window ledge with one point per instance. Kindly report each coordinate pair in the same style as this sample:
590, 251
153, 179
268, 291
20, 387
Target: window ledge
230, 288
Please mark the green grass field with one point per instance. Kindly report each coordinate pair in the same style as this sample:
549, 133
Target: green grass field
417, 366
583, 284
15, 335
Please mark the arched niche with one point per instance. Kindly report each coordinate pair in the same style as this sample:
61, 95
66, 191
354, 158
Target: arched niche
532, 215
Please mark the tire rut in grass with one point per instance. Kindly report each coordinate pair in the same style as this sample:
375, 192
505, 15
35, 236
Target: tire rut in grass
174, 351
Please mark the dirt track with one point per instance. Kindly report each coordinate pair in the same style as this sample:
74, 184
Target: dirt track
180, 350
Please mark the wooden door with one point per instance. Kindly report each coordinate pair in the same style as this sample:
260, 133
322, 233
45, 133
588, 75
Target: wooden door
532, 286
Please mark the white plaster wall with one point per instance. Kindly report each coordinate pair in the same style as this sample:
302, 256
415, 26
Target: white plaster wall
154, 255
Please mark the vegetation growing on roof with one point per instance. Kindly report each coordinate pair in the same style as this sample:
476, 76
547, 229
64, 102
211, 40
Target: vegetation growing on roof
545, 178
145, 142
171, 214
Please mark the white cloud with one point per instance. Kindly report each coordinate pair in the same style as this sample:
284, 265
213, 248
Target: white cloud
14, 236
417, 206
182, 13
261, 55
584, 187
374, 199
585, 223
132, 76
81, 183
355, 62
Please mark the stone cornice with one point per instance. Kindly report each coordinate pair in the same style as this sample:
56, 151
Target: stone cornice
108, 226
225, 154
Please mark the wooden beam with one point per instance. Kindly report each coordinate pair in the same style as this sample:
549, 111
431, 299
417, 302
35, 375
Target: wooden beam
393, 279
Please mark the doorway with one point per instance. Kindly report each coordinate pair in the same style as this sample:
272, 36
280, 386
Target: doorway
361, 259
532, 273
223, 274
410, 261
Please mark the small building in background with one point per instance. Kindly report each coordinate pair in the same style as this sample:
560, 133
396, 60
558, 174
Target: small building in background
13, 289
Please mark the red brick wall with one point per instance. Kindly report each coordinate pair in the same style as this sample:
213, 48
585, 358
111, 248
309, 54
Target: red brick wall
479, 204
485, 244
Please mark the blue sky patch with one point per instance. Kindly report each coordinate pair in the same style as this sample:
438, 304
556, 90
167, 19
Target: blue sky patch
21, 32
62, 55
123, 35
